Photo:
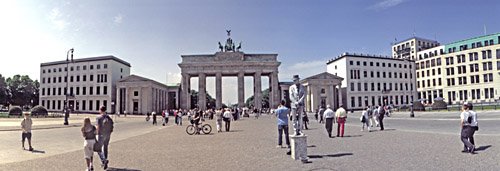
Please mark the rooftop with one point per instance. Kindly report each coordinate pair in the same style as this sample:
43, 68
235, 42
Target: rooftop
415, 37
90, 59
361, 55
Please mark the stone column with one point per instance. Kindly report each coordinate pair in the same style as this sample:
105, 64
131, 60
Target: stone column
241, 89
308, 97
218, 90
329, 95
275, 89
340, 96
335, 97
185, 96
202, 92
316, 97
257, 90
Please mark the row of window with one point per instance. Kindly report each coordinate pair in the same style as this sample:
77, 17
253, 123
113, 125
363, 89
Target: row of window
358, 63
72, 68
380, 87
474, 79
473, 56
463, 95
361, 101
423, 44
101, 78
62, 91
355, 74
487, 66
51, 105
474, 45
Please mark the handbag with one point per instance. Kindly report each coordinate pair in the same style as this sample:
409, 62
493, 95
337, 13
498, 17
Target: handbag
362, 119
97, 146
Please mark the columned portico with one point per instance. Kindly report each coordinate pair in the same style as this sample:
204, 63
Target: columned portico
320, 91
229, 64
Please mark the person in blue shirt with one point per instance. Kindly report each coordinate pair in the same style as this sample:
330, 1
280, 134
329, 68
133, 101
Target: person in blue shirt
282, 117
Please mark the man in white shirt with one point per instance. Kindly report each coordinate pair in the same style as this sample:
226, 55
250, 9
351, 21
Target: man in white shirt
467, 121
26, 128
297, 95
329, 116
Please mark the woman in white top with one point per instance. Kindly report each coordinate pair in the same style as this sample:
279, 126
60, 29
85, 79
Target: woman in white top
364, 120
88, 132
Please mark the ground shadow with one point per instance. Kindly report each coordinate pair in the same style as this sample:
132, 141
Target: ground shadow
482, 148
329, 155
38, 151
378, 130
234, 131
121, 169
350, 136
311, 146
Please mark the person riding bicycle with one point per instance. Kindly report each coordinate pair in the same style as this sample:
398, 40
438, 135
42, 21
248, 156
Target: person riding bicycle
196, 121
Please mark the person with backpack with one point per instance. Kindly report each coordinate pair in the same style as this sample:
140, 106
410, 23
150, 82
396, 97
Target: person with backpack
89, 132
104, 130
468, 122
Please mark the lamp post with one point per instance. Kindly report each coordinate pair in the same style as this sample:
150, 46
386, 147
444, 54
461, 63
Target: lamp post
66, 106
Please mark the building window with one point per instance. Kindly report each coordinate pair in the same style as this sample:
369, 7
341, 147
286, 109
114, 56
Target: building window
85, 68
83, 105
351, 63
377, 64
84, 91
105, 66
105, 90
373, 87
352, 86
97, 105
371, 63
98, 67
98, 90
91, 90
90, 104
358, 63
366, 86
84, 78
136, 93
91, 78
352, 102
77, 90
91, 67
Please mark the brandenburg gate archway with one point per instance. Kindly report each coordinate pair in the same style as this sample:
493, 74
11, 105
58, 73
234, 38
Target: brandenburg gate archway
229, 62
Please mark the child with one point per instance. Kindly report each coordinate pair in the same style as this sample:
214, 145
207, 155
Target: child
26, 128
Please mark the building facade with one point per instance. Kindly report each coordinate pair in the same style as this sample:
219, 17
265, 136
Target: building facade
90, 82
370, 80
139, 95
466, 70
408, 49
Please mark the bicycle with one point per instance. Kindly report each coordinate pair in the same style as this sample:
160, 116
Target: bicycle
192, 129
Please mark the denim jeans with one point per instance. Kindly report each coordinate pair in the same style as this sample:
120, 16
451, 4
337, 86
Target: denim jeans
282, 128
104, 140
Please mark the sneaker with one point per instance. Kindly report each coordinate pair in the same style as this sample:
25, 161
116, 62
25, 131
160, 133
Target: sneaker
106, 164
465, 151
30, 149
279, 146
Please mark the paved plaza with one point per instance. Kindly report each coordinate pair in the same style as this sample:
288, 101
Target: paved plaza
428, 142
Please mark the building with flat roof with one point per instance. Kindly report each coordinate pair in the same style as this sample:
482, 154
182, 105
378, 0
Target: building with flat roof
370, 80
408, 48
91, 83
465, 70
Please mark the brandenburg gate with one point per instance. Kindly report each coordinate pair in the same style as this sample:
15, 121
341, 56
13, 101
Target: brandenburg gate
229, 62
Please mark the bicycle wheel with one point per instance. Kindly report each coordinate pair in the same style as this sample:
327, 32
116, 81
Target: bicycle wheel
190, 129
206, 129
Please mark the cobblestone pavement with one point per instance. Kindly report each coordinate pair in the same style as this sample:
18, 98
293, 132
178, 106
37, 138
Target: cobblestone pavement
251, 145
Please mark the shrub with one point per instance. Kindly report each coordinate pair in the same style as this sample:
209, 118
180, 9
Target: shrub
439, 104
39, 111
417, 106
15, 111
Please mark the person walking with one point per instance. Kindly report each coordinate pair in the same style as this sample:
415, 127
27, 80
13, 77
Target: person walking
467, 123
320, 113
474, 124
164, 115
282, 118
341, 116
104, 129
374, 117
364, 119
305, 120
175, 117
381, 114
227, 119
329, 116
218, 116
154, 118
179, 117
89, 133
26, 125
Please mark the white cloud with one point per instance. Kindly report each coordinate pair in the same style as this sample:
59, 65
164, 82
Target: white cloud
118, 19
56, 18
174, 77
385, 4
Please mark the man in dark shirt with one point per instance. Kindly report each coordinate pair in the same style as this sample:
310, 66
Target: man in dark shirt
104, 130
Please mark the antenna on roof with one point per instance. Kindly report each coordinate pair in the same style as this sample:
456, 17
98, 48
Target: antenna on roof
414, 33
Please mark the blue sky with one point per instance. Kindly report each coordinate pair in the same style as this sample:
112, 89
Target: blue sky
152, 34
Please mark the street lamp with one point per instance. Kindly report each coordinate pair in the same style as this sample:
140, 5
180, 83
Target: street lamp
66, 107
411, 89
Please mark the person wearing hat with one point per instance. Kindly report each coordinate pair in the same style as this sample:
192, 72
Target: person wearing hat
26, 128
297, 95
468, 120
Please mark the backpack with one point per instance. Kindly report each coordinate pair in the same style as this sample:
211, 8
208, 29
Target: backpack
107, 124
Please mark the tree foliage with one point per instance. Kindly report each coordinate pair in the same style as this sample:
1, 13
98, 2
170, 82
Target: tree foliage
19, 90
265, 99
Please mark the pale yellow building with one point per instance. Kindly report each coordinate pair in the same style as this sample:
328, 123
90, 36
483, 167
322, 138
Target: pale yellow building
466, 70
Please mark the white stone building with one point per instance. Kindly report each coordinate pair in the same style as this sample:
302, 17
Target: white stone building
466, 70
91, 83
369, 80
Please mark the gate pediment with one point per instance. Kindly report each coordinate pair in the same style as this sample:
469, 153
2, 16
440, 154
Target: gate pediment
229, 56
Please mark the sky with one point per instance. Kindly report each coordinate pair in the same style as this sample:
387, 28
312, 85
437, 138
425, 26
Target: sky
153, 34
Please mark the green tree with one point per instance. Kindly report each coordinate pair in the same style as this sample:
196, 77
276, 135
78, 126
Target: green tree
4, 94
22, 90
194, 100
265, 99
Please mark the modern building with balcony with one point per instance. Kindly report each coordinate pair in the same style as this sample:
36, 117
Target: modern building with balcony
408, 49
